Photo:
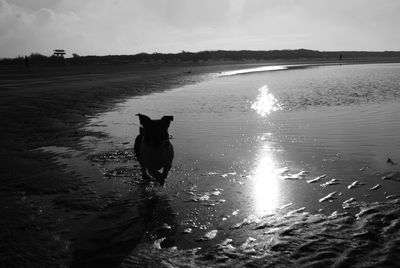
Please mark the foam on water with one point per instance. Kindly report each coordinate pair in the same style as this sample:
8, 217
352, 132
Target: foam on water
355, 184
331, 182
317, 179
331, 196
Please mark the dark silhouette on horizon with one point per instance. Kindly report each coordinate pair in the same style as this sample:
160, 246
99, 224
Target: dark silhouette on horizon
207, 56
26, 60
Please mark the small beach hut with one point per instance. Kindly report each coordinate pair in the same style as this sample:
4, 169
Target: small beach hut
59, 53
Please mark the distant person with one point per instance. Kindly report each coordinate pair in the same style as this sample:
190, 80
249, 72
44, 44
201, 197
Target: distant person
340, 57
26, 60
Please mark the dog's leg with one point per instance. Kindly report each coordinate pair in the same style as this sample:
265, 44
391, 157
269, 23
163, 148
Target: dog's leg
144, 173
155, 174
160, 177
165, 171
164, 175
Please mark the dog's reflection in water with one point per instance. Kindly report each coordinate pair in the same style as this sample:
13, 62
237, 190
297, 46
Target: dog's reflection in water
153, 148
113, 233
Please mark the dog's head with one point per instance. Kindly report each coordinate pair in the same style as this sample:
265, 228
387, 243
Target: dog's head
155, 132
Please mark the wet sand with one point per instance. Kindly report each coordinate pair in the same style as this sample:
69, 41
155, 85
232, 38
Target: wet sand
44, 204
44, 106
293, 239
47, 106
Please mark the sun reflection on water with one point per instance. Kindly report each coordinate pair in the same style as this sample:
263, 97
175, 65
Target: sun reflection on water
265, 102
266, 187
254, 70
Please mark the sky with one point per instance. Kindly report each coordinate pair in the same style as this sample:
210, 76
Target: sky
116, 27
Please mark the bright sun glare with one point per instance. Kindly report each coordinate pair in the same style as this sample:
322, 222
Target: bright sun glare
265, 102
266, 175
265, 183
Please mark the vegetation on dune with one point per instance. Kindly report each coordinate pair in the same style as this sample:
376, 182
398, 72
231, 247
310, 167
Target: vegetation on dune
204, 56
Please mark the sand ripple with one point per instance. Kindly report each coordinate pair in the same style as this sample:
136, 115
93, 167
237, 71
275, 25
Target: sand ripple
369, 239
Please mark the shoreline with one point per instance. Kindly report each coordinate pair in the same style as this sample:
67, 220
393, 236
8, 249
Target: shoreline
39, 111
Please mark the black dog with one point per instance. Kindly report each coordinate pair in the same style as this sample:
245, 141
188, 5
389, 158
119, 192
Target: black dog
153, 149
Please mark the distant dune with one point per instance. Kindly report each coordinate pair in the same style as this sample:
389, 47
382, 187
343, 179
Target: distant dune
213, 56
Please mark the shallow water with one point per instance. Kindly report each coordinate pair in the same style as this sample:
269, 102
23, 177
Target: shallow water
250, 144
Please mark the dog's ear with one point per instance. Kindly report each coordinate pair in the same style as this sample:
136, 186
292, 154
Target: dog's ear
167, 120
144, 119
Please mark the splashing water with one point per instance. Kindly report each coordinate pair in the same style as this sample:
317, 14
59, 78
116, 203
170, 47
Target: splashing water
265, 102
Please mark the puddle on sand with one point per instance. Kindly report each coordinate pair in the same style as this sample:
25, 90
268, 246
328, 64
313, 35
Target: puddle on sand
232, 157
257, 138
236, 133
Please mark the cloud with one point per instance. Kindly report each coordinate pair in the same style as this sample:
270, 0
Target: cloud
133, 26
24, 31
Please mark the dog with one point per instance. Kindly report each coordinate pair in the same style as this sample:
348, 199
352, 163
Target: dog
153, 148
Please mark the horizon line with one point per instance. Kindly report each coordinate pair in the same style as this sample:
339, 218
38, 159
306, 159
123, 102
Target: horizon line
202, 51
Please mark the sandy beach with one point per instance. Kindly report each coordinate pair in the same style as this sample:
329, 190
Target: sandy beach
274, 128
43, 106
43, 203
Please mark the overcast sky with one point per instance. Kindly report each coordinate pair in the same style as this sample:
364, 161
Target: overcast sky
103, 27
